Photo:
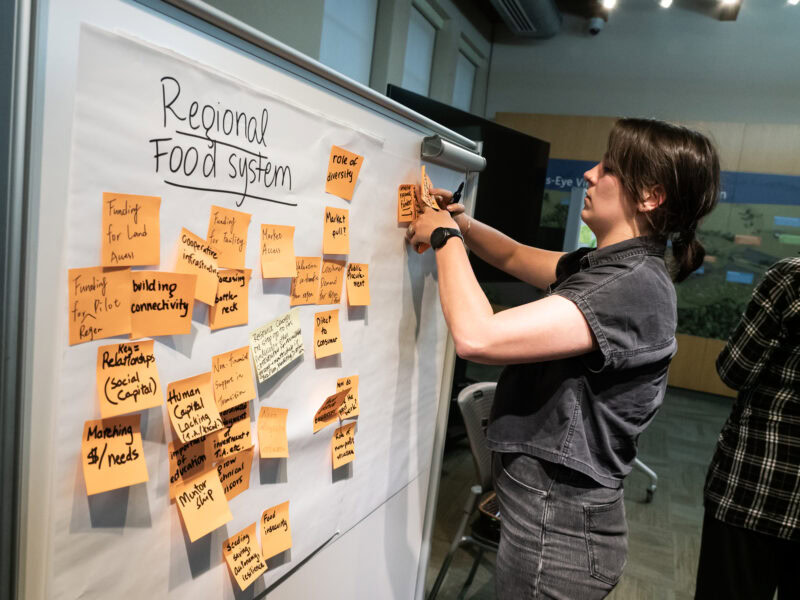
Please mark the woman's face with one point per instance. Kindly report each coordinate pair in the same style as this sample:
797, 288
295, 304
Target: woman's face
605, 207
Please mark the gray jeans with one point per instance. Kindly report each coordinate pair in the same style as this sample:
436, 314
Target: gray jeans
563, 535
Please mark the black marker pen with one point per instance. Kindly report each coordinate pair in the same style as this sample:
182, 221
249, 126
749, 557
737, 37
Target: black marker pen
457, 194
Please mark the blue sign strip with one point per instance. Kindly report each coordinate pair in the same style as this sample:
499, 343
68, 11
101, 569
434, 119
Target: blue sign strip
739, 277
787, 221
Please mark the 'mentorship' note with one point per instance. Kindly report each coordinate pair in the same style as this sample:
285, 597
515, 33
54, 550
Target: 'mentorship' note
406, 203
276, 344
161, 303
336, 231
127, 378
234, 473
358, 284
277, 251
330, 281
185, 462
327, 339
231, 302
234, 437
202, 504
272, 441
233, 380
343, 168
329, 411
350, 407
227, 235
305, 287
276, 535
197, 257
191, 407
112, 454
99, 304
243, 556
130, 230
343, 445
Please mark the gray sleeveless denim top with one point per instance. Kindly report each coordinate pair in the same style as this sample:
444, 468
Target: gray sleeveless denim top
587, 412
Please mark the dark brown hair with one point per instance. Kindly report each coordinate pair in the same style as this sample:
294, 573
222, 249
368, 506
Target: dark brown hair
645, 153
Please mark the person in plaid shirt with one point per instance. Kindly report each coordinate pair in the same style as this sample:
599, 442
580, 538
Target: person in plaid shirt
751, 530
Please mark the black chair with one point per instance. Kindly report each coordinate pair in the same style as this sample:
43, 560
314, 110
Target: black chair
475, 402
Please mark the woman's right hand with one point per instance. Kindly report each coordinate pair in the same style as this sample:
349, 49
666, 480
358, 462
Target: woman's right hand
456, 209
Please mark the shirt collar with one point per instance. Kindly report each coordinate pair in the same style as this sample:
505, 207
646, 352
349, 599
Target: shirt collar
621, 250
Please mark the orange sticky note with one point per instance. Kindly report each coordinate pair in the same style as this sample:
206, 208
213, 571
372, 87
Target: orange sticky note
127, 378
343, 168
243, 556
329, 411
276, 535
231, 300
227, 235
161, 303
330, 281
197, 257
343, 445
272, 441
305, 287
186, 461
427, 186
234, 437
130, 230
327, 339
336, 231
99, 303
233, 380
406, 203
191, 407
234, 473
276, 344
349, 408
112, 454
358, 284
202, 504
277, 251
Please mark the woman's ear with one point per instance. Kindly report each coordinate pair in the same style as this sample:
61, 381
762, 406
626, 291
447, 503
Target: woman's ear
652, 198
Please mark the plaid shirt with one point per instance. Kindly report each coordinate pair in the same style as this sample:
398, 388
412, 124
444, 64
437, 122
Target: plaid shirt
754, 477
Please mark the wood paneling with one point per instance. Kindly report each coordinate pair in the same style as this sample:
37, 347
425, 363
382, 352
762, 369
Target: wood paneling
771, 149
694, 366
571, 137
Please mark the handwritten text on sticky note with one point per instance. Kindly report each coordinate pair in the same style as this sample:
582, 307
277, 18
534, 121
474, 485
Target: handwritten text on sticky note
276, 344
231, 302
277, 251
186, 461
243, 557
127, 378
343, 445
233, 380
197, 257
327, 339
234, 437
343, 169
130, 230
234, 473
227, 235
112, 454
350, 407
330, 281
329, 411
99, 303
305, 286
272, 441
336, 231
276, 534
358, 284
202, 504
191, 407
161, 303
406, 203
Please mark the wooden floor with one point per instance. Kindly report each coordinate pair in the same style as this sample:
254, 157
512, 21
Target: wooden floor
664, 538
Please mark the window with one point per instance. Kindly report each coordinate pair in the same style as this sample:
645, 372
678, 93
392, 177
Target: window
348, 34
419, 53
465, 80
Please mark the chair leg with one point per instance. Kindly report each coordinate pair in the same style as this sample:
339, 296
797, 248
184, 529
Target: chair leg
651, 489
469, 507
471, 575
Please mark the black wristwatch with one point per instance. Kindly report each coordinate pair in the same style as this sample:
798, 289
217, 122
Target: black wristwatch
440, 236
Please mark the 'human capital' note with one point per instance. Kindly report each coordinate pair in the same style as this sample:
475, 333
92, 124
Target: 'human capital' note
276, 344
191, 407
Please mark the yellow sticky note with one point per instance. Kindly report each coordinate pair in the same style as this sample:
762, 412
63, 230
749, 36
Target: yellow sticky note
305, 287
329, 411
343, 168
227, 235
161, 303
406, 203
276, 535
234, 473
427, 196
233, 380
231, 301
234, 437
343, 445
191, 407
243, 556
350, 408
330, 281
202, 504
272, 441
197, 257
186, 461
336, 231
130, 230
276, 344
99, 303
127, 378
112, 454
277, 251
358, 284
327, 339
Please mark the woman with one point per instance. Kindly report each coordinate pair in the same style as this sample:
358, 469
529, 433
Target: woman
587, 363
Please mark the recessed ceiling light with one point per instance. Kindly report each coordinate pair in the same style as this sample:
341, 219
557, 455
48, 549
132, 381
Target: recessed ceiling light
730, 2
609, 4
794, 2
668, 3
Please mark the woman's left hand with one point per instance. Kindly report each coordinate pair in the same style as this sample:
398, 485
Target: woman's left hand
419, 232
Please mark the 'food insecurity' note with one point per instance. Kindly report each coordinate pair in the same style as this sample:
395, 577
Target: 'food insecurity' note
276, 534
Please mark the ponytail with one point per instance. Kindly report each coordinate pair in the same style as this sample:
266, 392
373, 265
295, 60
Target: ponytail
688, 255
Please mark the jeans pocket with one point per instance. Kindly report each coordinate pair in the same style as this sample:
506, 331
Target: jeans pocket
606, 539
525, 471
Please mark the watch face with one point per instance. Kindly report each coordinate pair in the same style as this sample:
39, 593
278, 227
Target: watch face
438, 237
